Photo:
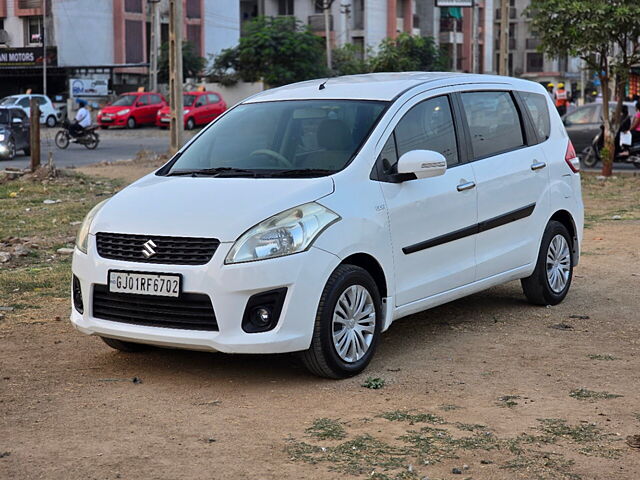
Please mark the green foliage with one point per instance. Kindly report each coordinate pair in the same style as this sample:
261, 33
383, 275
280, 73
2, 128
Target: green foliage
277, 50
604, 33
192, 63
408, 53
373, 383
349, 60
591, 395
326, 428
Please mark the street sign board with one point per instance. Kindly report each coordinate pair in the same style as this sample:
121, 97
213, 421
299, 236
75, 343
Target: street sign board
81, 87
454, 3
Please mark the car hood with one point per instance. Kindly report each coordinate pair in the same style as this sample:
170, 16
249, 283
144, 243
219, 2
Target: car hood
222, 208
112, 109
164, 110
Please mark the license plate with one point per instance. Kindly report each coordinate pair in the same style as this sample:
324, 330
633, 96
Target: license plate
107, 119
164, 119
158, 284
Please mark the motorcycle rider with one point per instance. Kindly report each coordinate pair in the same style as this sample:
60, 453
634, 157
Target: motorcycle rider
82, 121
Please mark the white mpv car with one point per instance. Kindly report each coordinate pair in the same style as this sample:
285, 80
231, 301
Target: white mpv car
309, 217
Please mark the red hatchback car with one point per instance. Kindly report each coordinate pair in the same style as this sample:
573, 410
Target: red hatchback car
132, 109
200, 108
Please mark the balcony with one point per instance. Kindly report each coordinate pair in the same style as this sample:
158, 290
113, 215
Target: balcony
316, 22
513, 13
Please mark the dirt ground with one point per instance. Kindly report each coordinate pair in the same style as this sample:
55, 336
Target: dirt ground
487, 387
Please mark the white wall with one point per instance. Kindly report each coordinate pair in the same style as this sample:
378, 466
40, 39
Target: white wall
237, 92
221, 25
84, 32
375, 22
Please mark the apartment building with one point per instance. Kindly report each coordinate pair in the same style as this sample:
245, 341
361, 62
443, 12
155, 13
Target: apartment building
102, 40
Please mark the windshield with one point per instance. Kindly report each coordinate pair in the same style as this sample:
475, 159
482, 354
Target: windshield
318, 137
188, 100
124, 101
8, 101
4, 116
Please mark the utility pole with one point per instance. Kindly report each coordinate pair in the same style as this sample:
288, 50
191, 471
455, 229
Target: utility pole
475, 48
455, 44
326, 8
44, 47
346, 10
154, 44
34, 119
503, 68
176, 124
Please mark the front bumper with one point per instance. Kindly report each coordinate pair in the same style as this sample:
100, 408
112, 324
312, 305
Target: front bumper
114, 121
229, 287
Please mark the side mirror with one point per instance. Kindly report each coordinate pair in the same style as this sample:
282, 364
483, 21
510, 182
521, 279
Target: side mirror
422, 164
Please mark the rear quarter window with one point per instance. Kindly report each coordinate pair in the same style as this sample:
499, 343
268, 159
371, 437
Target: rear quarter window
539, 111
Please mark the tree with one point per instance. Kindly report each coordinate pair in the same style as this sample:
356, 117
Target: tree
603, 33
349, 60
277, 50
192, 63
408, 53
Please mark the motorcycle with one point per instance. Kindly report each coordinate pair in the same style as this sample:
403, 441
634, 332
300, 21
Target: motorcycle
592, 154
89, 137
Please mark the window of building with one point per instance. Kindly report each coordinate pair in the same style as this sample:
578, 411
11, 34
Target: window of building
133, 41
428, 126
193, 9
285, 7
133, 6
535, 62
33, 30
194, 37
494, 122
537, 106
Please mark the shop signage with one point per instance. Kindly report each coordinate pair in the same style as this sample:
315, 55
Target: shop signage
454, 3
86, 87
27, 57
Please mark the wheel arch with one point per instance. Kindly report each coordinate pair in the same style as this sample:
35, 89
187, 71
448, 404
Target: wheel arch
565, 218
372, 266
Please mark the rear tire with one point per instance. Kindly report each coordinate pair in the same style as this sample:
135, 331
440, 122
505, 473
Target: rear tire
51, 121
123, 346
11, 149
590, 158
92, 141
354, 324
550, 281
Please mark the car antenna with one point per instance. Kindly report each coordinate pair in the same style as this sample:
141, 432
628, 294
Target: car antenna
322, 87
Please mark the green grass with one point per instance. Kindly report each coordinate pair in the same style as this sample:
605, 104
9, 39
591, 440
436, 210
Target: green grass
508, 401
373, 383
597, 356
326, 428
591, 395
406, 416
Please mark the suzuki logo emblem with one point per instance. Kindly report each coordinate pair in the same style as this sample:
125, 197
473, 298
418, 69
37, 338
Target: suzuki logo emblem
148, 249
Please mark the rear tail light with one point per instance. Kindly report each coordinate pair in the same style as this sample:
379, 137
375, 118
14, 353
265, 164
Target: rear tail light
572, 159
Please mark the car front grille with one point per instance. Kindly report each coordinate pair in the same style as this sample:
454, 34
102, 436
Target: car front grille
189, 311
166, 250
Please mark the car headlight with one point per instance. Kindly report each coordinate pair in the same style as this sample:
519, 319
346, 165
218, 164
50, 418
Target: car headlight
185, 111
1, 137
123, 112
82, 239
291, 231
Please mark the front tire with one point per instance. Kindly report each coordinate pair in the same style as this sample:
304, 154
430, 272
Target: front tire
131, 123
11, 149
123, 346
347, 326
550, 281
62, 139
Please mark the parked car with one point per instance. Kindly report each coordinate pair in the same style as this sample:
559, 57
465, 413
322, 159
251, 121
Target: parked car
49, 115
583, 124
310, 217
14, 132
131, 110
200, 108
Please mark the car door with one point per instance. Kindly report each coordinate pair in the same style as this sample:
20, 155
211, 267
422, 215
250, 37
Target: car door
144, 110
200, 111
25, 104
511, 178
20, 131
216, 105
431, 219
583, 125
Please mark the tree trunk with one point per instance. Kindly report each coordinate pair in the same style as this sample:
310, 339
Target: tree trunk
607, 152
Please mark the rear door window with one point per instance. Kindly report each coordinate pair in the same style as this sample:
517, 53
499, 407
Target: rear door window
429, 126
213, 98
537, 106
494, 122
583, 116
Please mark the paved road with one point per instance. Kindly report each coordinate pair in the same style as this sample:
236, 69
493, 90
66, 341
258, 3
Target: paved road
114, 145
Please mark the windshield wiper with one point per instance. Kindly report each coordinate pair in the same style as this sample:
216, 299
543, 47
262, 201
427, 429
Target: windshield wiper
302, 172
215, 172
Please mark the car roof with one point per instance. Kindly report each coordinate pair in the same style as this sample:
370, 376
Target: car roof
379, 86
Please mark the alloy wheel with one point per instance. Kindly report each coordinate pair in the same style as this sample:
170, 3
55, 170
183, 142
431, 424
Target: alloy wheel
558, 263
354, 323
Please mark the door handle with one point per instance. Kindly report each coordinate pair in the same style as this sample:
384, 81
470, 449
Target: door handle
537, 165
466, 186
